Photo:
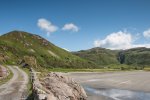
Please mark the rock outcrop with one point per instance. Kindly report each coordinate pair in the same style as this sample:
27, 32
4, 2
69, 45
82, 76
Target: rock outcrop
60, 87
3, 72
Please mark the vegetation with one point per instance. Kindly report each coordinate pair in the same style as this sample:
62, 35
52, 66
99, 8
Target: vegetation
111, 67
147, 68
24, 48
136, 58
124, 67
19, 47
100, 56
82, 70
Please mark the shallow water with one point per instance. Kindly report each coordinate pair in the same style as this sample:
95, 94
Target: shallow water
118, 94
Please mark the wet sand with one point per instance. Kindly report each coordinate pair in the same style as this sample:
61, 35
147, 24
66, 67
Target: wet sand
135, 81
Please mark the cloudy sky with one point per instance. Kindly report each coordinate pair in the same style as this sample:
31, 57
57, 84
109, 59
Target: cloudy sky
80, 24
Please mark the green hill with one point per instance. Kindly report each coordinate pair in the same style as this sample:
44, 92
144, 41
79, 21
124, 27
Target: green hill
19, 47
137, 56
101, 56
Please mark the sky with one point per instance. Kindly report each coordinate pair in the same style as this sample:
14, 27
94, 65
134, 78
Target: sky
80, 24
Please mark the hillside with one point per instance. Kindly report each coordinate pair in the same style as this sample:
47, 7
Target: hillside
102, 56
98, 55
24, 48
19, 47
137, 56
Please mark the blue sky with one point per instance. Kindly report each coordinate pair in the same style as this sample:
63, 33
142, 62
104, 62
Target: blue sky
80, 24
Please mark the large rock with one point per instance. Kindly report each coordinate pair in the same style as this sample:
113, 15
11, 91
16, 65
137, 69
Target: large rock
62, 88
3, 72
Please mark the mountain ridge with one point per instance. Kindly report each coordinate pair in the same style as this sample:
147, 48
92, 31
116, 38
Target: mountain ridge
139, 56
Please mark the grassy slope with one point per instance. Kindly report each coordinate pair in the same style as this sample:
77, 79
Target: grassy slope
132, 58
137, 56
17, 45
100, 56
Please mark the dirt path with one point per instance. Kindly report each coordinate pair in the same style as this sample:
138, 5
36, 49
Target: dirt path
15, 87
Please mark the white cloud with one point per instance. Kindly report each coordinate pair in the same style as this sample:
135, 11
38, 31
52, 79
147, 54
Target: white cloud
70, 26
146, 33
118, 40
46, 26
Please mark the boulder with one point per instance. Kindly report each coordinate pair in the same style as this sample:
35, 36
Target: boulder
62, 87
3, 72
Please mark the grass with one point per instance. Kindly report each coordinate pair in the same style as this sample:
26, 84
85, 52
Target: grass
147, 69
112, 67
18, 50
2, 81
82, 70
